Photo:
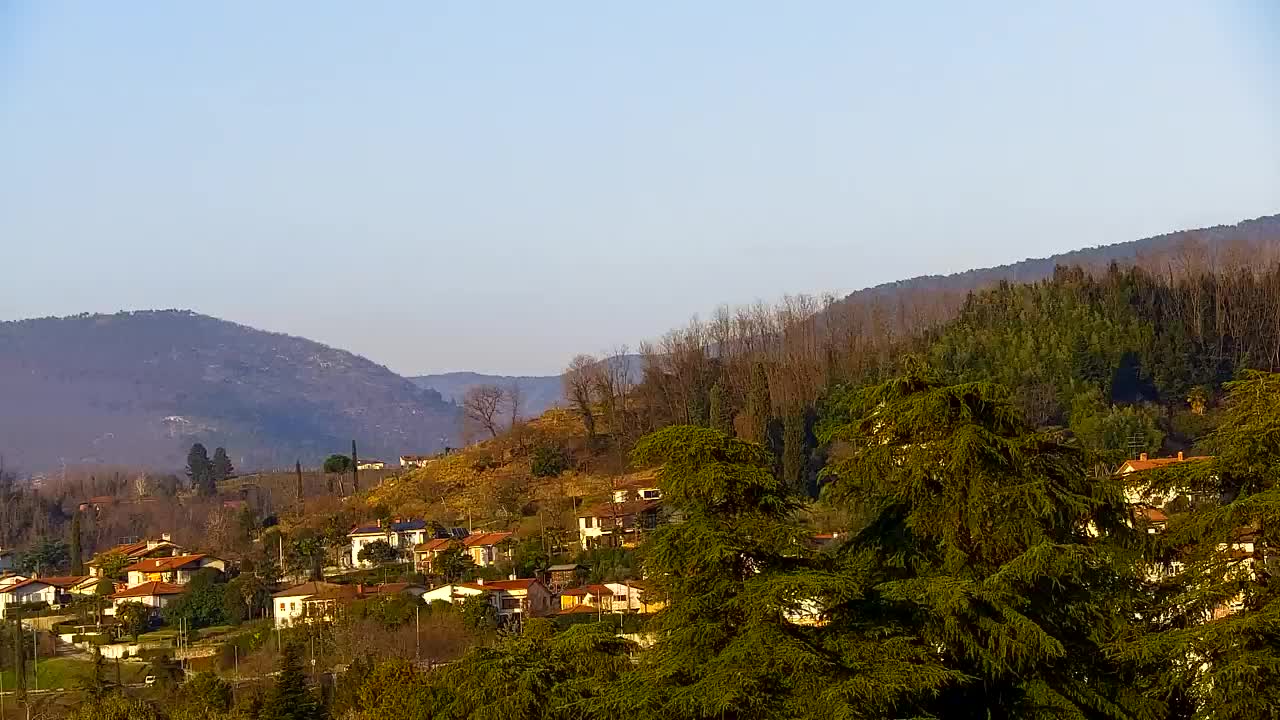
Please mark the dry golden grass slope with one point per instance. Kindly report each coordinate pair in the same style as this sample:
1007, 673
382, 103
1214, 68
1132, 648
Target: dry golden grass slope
492, 482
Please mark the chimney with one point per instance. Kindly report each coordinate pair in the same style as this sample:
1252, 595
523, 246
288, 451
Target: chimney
1179, 456
359, 588
166, 537
379, 522
1143, 457
479, 581
512, 576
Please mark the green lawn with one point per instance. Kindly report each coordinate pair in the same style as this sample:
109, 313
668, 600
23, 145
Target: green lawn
70, 673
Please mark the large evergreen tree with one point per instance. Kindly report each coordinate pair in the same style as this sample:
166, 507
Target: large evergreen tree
735, 639
290, 698
991, 544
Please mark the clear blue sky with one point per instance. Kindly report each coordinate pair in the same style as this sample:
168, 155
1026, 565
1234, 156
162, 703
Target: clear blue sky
496, 186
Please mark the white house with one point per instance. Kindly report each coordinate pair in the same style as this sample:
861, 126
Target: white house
176, 570
288, 605
625, 520
371, 465
510, 598
28, 591
400, 534
415, 461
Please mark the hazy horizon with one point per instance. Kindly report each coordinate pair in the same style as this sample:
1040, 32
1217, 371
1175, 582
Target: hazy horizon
441, 188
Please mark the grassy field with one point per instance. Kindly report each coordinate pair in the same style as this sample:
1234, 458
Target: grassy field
71, 673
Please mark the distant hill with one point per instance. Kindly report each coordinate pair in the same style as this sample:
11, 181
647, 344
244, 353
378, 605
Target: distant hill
538, 393
1249, 234
140, 387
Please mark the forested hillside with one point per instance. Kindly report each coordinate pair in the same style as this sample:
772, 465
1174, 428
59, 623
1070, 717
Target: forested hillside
138, 388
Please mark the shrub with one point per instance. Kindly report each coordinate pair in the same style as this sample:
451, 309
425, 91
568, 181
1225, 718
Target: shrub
549, 460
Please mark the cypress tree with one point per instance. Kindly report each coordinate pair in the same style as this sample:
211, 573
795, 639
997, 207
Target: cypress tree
77, 552
355, 469
759, 410
721, 415
992, 544
221, 467
200, 470
290, 698
297, 467
793, 456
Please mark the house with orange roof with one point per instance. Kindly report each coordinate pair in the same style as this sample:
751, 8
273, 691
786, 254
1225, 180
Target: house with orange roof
52, 591
135, 551
484, 549
512, 598
1134, 492
611, 597
153, 594
176, 570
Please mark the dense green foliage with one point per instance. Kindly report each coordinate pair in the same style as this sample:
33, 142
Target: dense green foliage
337, 464
200, 470
378, 552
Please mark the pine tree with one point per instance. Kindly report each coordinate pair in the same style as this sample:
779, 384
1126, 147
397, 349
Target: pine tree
200, 470
77, 552
221, 468
290, 698
992, 544
1219, 642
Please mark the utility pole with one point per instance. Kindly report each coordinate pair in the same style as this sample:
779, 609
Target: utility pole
417, 635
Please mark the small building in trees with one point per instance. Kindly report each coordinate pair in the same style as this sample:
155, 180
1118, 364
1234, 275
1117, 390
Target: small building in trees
512, 599
326, 605
563, 576
414, 461
289, 606
371, 465
1133, 491
617, 523
403, 535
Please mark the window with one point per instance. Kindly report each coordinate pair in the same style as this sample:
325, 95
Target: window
586, 522
281, 607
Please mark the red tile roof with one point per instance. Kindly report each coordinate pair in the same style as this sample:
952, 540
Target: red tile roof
306, 588
165, 564
508, 585
434, 545
64, 581
1152, 463
585, 589
150, 589
489, 538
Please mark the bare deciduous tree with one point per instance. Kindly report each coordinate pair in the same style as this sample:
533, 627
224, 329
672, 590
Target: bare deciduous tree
482, 405
579, 382
514, 398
